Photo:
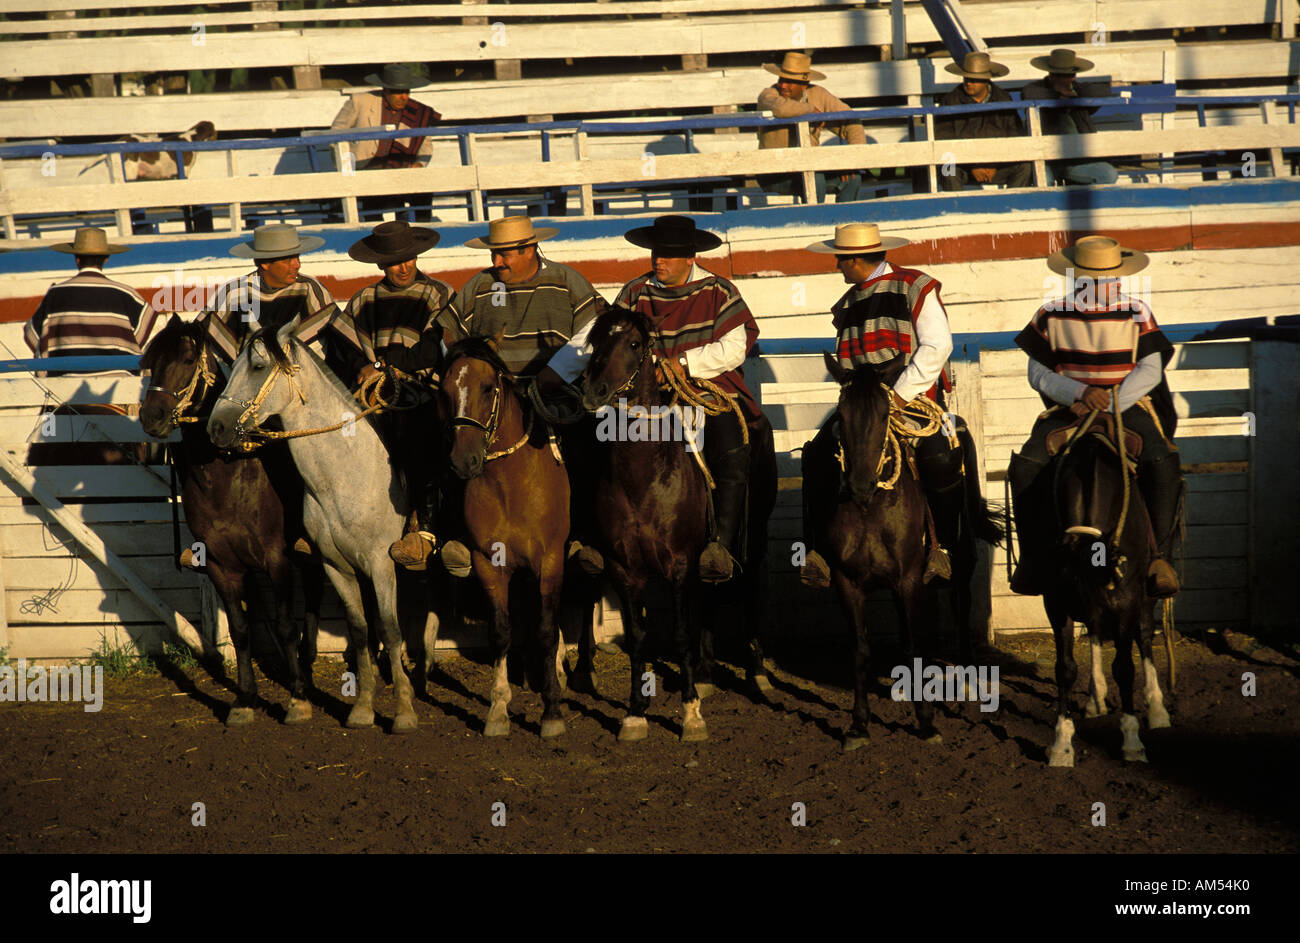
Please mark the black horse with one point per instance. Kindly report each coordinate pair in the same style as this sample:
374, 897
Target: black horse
652, 507
1095, 573
246, 509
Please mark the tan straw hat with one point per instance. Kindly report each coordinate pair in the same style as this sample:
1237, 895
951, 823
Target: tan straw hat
276, 241
796, 66
89, 241
511, 232
977, 65
858, 239
1097, 257
1061, 62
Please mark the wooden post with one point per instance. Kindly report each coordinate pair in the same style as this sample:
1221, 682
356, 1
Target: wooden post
10, 230
585, 196
1268, 110
236, 209
4, 619
898, 26
268, 6
476, 195
91, 541
103, 85
726, 110
809, 177
306, 76
1036, 131
123, 217
968, 402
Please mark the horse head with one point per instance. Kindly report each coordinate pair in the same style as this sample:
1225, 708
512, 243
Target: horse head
864, 418
260, 386
474, 392
621, 342
182, 377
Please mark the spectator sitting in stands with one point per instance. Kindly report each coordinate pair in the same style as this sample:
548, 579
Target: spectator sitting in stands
794, 95
978, 71
391, 109
1061, 67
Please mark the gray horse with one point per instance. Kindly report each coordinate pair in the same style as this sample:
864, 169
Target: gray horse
353, 507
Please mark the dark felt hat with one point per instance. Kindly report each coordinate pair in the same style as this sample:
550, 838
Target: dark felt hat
390, 243
673, 234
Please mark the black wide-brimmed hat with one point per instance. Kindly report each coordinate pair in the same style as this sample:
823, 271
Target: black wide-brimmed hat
390, 243
671, 234
399, 77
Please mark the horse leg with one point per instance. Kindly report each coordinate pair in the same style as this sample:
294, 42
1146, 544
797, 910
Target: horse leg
345, 584
583, 678
230, 586
1131, 748
1157, 716
313, 589
693, 727
1097, 684
855, 605
496, 583
1061, 752
909, 600
755, 604
701, 653
550, 583
384, 580
288, 642
634, 726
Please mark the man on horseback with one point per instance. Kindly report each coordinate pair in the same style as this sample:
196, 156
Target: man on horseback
535, 306
1096, 343
399, 322
888, 312
703, 330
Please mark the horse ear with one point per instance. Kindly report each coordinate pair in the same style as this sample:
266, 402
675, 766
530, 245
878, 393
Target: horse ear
285, 334
890, 370
495, 340
838, 373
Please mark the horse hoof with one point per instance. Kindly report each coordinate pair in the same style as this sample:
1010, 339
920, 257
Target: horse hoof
405, 722
1094, 709
854, 741
360, 718
694, 731
633, 728
299, 712
1158, 719
934, 737
552, 728
1060, 758
1135, 756
763, 684
239, 716
706, 689
497, 728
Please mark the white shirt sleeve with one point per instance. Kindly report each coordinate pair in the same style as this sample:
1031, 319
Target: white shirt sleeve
715, 359
571, 359
1053, 385
933, 347
1144, 378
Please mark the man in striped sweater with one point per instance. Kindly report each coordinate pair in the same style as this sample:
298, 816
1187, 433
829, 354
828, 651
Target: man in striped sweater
89, 313
705, 331
890, 311
401, 321
1095, 343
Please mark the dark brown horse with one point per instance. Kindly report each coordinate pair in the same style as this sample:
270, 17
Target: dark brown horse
652, 507
516, 511
873, 537
1095, 573
245, 509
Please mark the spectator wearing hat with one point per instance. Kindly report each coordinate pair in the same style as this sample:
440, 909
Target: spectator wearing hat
794, 95
1062, 68
89, 313
705, 330
272, 295
978, 71
391, 109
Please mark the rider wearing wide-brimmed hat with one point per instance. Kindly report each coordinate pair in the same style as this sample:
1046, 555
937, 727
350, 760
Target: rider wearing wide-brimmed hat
402, 321
890, 311
978, 70
1063, 67
1099, 341
272, 295
704, 330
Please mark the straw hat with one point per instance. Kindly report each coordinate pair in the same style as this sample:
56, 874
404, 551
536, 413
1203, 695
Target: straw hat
276, 241
1061, 62
858, 239
399, 77
673, 234
977, 65
511, 232
390, 243
796, 66
1097, 257
89, 241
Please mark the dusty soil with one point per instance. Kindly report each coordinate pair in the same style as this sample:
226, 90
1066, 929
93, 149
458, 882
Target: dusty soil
126, 779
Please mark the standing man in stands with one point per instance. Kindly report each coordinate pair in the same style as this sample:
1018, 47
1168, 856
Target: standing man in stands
89, 313
1061, 67
391, 109
794, 95
978, 72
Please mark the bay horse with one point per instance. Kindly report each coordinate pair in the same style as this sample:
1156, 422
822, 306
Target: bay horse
1095, 573
245, 508
652, 507
354, 506
516, 512
872, 536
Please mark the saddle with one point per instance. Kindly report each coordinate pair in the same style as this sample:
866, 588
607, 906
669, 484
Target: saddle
1103, 428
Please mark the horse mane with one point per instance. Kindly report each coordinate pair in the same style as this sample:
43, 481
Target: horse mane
614, 314
477, 348
163, 344
270, 338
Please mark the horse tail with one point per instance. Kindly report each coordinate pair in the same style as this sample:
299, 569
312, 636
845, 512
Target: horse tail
985, 523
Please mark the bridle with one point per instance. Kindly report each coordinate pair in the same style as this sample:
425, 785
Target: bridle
248, 424
493, 425
202, 377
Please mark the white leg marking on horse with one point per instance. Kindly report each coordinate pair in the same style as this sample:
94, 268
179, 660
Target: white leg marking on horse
1061, 752
1157, 716
693, 727
1097, 688
1132, 747
498, 719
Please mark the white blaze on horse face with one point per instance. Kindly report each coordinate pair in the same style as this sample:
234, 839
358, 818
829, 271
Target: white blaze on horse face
462, 390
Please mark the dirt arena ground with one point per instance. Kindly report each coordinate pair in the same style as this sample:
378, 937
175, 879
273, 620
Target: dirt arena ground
126, 779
